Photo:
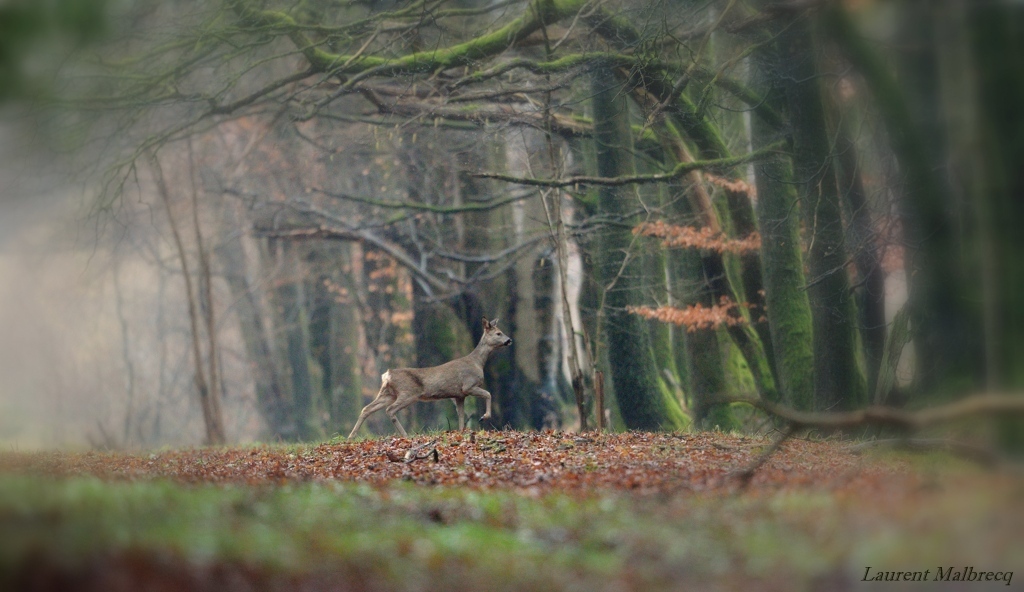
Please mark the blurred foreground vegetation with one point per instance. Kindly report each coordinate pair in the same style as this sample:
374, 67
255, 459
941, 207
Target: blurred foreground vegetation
80, 532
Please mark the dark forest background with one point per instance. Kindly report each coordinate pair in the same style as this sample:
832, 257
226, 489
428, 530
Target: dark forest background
224, 219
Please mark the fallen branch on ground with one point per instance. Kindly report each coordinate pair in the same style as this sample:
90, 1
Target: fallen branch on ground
891, 416
877, 415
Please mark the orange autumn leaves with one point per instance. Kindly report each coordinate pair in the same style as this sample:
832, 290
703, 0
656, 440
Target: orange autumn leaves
694, 317
687, 237
697, 316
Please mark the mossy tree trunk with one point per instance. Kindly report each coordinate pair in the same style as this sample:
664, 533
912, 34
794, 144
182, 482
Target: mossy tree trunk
788, 309
657, 288
705, 369
439, 337
642, 403
838, 381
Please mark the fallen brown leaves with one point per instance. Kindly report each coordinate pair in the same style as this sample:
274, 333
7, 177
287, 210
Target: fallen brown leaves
532, 462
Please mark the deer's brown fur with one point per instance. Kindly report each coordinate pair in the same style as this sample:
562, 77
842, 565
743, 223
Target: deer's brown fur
457, 379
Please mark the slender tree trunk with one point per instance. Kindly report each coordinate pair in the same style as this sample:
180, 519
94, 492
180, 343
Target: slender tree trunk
126, 355
535, 339
205, 297
705, 368
695, 282
270, 396
291, 297
871, 278
345, 385
212, 419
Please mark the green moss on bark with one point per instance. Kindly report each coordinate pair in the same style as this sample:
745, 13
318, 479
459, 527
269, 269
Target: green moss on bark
642, 402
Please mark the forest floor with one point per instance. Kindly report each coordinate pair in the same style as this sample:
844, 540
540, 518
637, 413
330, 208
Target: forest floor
505, 511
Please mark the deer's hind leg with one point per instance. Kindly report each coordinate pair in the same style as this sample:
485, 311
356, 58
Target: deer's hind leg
460, 408
385, 397
392, 410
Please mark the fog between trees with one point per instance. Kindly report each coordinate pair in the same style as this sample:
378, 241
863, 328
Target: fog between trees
230, 217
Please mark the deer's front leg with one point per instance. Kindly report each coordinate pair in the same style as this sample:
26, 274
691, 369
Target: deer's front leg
460, 407
486, 396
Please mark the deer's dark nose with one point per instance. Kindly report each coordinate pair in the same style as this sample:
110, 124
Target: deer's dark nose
507, 342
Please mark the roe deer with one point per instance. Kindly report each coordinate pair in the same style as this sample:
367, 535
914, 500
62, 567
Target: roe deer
458, 379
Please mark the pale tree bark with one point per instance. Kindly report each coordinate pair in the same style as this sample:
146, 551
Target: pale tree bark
242, 274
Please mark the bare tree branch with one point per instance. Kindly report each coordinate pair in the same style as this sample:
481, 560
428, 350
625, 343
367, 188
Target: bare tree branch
982, 404
680, 170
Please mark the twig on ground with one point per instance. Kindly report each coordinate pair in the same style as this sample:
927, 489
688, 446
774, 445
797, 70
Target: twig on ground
745, 474
412, 454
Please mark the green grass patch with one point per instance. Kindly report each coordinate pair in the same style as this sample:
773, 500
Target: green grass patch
405, 536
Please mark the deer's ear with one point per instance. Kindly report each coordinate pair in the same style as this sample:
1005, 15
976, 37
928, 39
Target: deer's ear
494, 323
487, 324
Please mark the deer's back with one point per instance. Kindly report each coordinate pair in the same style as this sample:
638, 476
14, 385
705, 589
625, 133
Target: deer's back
439, 382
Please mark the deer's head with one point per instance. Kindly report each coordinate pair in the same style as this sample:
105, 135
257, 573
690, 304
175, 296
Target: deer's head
493, 335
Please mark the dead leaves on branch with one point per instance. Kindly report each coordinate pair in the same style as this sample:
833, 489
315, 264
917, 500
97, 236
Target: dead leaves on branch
731, 185
699, 316
688, 237
531, 462
694, 317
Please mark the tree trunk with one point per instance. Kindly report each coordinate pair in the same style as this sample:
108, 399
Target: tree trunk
534, 336
440, 337
871, 278
213, 419
788, 310
641, 401
997, 44
344, 387
943, 323
494, 299
270, 396
705, 368
291, 297
838, 382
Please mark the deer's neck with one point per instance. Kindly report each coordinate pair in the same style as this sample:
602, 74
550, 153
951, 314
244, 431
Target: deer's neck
481, 353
